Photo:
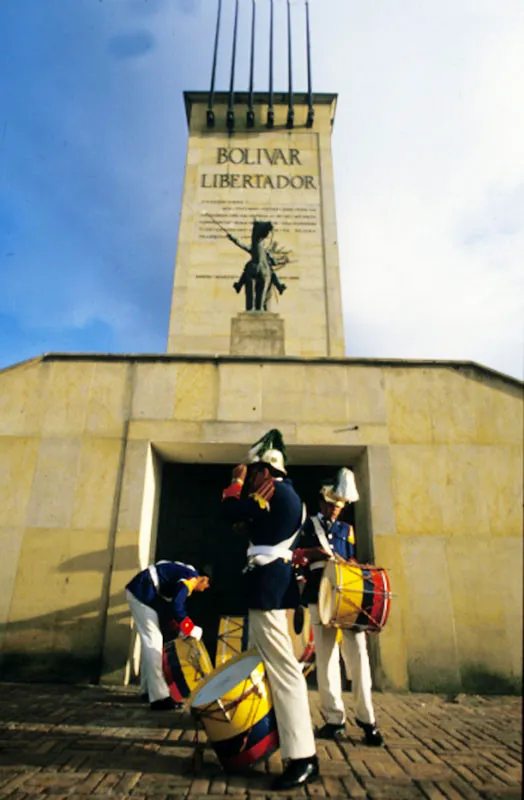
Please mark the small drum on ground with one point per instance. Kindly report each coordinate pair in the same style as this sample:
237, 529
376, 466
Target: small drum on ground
354, 596
235, 707
232, 638
301, 632
185, 662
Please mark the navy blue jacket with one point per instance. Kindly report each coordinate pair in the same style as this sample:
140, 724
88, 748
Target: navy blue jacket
171, 579
341, 538
272, 586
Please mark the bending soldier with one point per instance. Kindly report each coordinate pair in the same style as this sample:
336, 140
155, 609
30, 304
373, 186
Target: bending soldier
157, 598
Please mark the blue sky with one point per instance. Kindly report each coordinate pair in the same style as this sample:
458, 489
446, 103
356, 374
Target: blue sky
429, 160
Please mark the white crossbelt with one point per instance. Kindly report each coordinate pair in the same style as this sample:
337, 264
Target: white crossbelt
264, 554
321, 536
156, 583
259, 555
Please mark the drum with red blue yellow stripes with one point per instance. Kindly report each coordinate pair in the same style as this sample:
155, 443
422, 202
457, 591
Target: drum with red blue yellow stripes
235, 707
301, 633
185, 662
232, 638
354, 596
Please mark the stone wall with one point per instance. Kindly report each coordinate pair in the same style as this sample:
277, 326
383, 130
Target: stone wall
437, 450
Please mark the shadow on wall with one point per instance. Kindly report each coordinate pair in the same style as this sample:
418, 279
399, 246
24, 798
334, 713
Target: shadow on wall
66, 644
476, 679
126, 558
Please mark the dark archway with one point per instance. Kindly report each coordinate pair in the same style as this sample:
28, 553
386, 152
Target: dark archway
190, 530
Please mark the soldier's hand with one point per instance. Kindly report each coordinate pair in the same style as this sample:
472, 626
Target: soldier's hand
239, 473
299, 557
196, 633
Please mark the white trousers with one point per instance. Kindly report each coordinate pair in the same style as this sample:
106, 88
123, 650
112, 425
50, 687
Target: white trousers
268, 632
152, 678
354, 653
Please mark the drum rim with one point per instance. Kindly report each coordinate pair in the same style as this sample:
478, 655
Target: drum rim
204, 660
226, 665
331, 566
300, 641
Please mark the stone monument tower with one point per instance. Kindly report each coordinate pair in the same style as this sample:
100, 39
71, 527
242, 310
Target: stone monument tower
258, 219
234, 178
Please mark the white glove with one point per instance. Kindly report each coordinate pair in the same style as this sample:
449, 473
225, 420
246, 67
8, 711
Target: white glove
196, 633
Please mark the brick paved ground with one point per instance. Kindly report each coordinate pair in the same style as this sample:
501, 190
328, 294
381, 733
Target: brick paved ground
72, 742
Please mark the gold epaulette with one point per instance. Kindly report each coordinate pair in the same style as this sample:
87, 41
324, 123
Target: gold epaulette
260, 501
190, 583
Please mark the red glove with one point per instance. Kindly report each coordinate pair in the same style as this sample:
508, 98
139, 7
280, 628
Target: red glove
238, 477
300, 558
186, 626
233, 490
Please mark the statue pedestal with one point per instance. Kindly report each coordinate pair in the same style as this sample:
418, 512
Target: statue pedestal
257, 333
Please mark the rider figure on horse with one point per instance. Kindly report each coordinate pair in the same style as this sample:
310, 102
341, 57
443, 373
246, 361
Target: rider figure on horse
259, 275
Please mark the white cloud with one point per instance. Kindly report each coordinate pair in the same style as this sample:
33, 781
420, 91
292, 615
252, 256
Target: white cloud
429, 161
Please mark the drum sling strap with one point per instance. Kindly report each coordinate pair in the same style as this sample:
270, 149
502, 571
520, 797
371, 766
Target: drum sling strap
321, 536
153, 574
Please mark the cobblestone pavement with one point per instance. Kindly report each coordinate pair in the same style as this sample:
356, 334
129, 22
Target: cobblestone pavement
91, 741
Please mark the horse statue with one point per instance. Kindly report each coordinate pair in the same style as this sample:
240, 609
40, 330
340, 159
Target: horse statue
259, 277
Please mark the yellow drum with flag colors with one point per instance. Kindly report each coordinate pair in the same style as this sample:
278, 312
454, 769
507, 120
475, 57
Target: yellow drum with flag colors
354, 596
232, 638
235, 707
185, 662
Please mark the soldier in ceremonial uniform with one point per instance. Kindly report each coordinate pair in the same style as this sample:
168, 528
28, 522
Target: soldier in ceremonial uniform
323, 536
157, 598
274, 513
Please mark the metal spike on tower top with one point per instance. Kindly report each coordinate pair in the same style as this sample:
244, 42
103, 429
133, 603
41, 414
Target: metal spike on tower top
285, 5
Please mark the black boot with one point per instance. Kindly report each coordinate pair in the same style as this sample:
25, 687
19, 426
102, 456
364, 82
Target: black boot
166, 704
332, 731
372, 735
298, 772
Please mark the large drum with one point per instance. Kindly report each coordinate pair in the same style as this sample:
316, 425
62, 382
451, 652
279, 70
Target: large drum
354, 596
233, 635
235, 707
185, 662
232, 638
301, 632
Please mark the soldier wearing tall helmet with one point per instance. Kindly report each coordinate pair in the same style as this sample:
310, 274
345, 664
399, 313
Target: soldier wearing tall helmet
325, 536
273, 514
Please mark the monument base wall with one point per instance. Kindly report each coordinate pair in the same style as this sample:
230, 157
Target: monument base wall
257, 334
437, 453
